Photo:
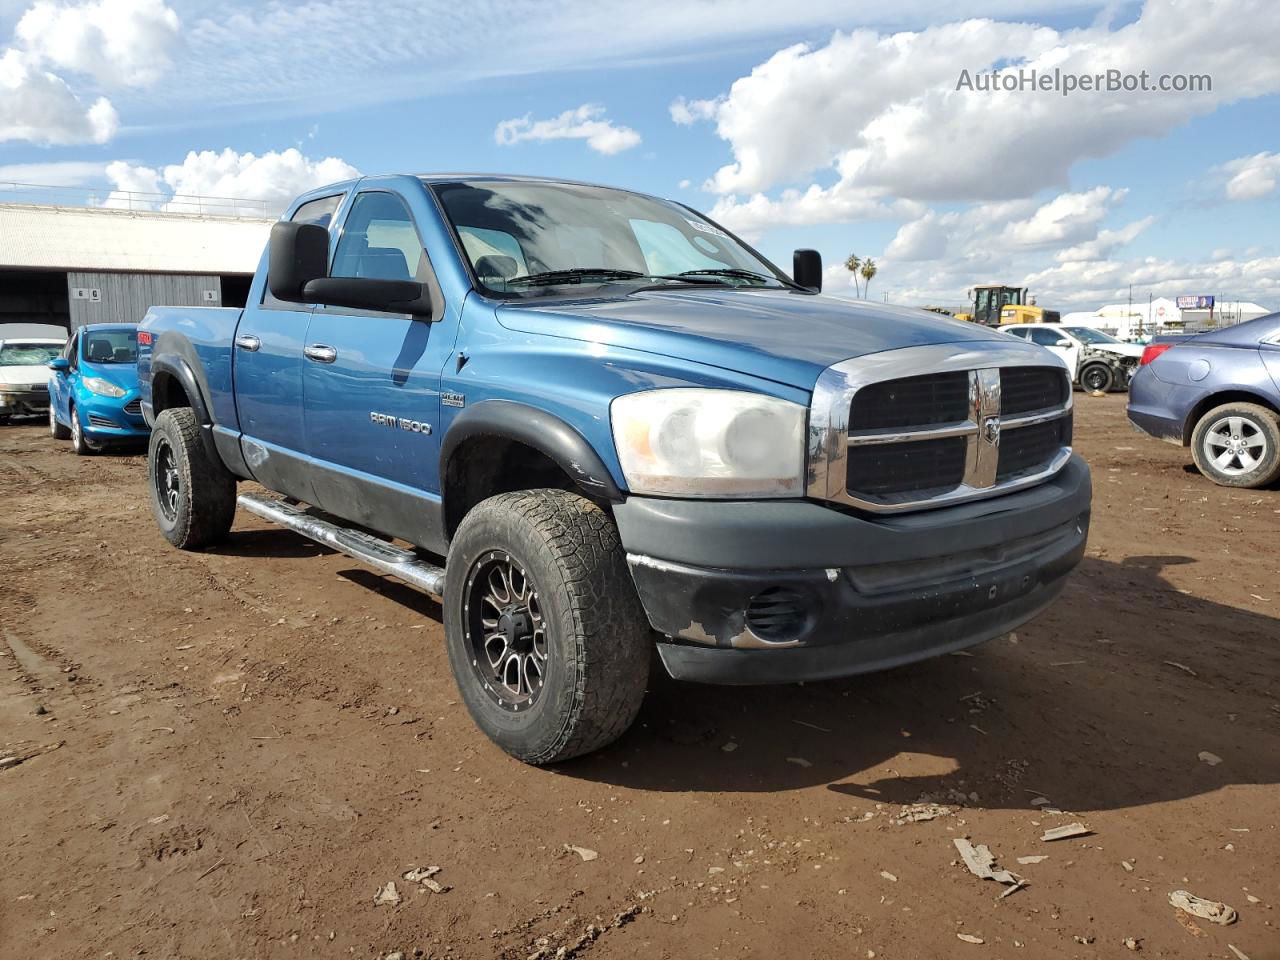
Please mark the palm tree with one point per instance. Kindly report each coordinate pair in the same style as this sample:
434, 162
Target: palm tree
852, 263
868, 271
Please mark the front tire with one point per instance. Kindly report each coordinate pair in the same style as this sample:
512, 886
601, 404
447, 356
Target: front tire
547, 639
79, 443
57, 430
1238, 445
1097, 377
193, 498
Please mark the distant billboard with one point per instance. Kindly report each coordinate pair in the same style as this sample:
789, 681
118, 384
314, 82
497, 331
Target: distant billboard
1195, 303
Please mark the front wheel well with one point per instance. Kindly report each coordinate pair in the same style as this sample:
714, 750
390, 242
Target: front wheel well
167, 391
485, 465
1217, 400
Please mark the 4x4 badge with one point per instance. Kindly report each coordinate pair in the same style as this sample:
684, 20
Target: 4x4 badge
450, 399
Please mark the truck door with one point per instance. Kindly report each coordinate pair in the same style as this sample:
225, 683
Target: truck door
267, 363
371, 383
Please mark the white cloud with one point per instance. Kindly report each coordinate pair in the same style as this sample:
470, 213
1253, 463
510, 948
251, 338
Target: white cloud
117, 42
1067, 218
271, 179
842, 203
586, 122
1252, 177
686, 112
114, 42
1108, 241
40, 107
61, 173
882, 110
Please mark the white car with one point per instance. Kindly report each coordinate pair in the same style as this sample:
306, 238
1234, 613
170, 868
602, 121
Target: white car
24, 375
1097, 361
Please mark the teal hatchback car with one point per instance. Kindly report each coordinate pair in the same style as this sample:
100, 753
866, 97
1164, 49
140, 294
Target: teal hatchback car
93, 393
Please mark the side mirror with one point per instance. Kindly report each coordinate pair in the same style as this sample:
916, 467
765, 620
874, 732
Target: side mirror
1064, 343
806, 269
59, 365
299, 255
366, 293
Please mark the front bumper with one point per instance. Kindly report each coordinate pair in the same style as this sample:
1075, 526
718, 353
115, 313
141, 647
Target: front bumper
765, 592
16, 403
111, 418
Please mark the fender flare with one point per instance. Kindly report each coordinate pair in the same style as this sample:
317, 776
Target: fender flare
544, 432
178, 368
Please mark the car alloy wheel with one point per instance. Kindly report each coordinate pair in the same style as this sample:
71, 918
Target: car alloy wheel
1235, 445
506, 631
168, 482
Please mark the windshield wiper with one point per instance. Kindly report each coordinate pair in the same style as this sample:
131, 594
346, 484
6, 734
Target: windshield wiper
733, 272
575, 275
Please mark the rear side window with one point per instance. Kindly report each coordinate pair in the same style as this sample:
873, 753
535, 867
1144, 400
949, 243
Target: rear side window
320, 212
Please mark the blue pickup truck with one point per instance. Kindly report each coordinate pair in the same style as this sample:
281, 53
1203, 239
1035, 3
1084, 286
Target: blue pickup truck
600, 425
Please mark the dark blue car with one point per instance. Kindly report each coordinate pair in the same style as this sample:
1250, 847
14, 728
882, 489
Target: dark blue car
93, 393
1218, 393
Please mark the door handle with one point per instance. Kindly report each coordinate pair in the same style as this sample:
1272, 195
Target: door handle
320, 353
249, 343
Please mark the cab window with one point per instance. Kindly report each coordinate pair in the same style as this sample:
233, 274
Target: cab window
379, 240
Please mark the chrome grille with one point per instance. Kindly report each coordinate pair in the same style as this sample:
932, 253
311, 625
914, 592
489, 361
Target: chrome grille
885, 441
134, 407
96, 420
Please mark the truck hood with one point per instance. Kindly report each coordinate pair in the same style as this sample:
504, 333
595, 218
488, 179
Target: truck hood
777, 335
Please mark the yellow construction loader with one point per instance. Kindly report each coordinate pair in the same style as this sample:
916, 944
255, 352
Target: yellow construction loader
995, 304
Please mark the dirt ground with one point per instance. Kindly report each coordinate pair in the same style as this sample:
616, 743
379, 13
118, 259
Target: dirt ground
230, 754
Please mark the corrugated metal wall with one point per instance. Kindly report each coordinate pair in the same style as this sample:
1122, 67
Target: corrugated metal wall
125, 297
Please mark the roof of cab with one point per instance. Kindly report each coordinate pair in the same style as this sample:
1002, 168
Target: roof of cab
106, 326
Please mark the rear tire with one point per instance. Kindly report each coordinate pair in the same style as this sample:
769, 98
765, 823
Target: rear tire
574, 635
1097, 376
79, 443
193, 498
57, 430
1238, 445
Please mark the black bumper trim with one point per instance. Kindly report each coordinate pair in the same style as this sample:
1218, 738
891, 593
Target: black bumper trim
721, 665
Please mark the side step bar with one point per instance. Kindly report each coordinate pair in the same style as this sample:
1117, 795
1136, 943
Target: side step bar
356, 544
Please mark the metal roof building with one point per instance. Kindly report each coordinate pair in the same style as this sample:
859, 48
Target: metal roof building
71, 265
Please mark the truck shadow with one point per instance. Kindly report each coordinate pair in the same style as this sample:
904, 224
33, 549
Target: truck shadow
1104, 701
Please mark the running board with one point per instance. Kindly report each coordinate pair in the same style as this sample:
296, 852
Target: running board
356, 544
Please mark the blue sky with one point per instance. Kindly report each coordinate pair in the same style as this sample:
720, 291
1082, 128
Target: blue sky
828, 126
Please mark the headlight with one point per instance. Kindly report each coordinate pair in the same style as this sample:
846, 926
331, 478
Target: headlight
710, 443
103, 388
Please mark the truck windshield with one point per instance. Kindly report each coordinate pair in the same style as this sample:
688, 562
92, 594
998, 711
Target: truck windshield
531, 239
111, 346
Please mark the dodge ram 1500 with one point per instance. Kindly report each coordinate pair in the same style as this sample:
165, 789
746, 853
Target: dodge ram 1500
604, 427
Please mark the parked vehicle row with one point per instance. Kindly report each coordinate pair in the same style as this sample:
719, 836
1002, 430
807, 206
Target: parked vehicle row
610, 430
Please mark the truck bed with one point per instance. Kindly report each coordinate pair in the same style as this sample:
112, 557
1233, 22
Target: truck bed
202, 338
